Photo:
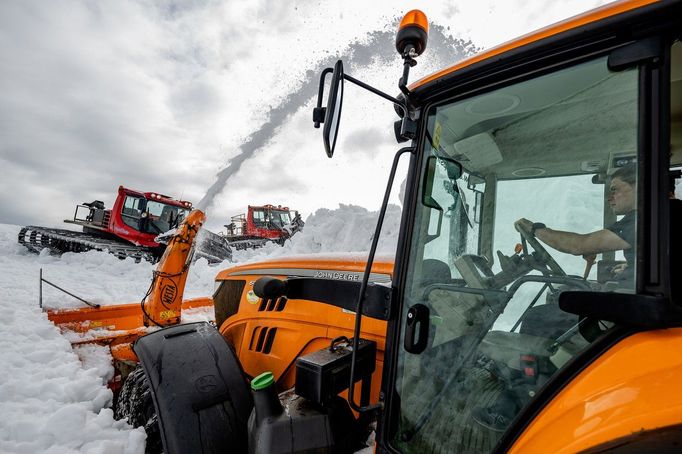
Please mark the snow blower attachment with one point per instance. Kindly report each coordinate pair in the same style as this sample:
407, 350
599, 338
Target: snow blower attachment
118, 326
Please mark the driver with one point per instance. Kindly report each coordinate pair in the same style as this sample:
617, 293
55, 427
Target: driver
547, 320
618, 237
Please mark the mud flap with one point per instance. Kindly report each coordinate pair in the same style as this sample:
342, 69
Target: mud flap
199, 390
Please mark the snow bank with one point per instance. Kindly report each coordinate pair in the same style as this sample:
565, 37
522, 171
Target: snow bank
50, 401
349, 228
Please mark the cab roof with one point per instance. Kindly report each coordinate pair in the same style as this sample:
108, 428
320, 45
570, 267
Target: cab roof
155, 196
589, 17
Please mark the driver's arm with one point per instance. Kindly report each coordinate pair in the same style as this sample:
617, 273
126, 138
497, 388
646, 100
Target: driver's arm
577, 243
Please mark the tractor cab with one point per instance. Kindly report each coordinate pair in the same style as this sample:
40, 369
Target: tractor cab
150, 213
499, 170
535, 276
271, 217
268, 217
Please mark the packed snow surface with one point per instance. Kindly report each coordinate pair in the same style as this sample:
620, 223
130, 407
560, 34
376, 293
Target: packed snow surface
54, 398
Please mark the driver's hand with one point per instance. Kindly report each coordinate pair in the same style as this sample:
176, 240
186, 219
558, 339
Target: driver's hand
523, 224
619, 269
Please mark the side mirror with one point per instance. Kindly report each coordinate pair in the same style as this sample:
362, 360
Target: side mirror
453, 170
429, 177
333, 113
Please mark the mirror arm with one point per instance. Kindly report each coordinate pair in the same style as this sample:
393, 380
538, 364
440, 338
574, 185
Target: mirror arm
319, 111
402, 83
408, 57
375, 91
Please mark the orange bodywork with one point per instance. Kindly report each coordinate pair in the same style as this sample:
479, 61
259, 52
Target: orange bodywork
118, 326
633, 387
298, 327
594, 15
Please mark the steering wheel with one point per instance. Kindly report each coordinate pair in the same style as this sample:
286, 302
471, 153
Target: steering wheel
541, 253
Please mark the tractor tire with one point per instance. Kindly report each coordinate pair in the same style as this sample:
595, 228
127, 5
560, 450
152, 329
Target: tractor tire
200, 393
135, 404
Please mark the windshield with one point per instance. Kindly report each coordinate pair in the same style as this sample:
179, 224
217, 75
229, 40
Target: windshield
269, 218
544, 201
280, 218
150, 216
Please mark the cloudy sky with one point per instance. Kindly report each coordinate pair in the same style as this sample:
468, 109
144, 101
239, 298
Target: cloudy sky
211, 100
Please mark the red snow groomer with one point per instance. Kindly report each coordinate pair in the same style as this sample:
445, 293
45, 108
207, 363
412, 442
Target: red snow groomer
129, 229
262, 224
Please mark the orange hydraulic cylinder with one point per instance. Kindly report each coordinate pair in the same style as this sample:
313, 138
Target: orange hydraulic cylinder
163, 305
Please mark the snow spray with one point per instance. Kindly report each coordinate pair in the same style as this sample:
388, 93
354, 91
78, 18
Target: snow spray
377, 46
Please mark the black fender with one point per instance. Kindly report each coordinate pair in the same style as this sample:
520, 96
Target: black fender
199, 389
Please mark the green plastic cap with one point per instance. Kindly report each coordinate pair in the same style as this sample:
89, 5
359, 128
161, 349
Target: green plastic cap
264, 380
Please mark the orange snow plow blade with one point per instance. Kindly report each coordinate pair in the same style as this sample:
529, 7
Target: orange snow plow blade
119, 326
119, 317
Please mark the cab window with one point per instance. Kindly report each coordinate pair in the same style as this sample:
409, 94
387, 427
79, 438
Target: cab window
132, 211
259, 218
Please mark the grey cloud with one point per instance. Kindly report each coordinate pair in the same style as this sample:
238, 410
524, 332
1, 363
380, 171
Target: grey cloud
364, 141
199, 99
177, 8
94, 95
451, 11
76, 115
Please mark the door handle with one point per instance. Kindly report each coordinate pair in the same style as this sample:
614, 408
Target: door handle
416, 329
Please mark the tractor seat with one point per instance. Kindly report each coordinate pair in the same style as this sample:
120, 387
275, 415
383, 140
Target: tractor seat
435, 272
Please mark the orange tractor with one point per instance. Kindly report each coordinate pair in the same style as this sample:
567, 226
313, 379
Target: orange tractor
475, 337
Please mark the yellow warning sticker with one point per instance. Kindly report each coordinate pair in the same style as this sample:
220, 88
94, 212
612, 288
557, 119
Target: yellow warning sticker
252, 297
165, 315
436, 135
